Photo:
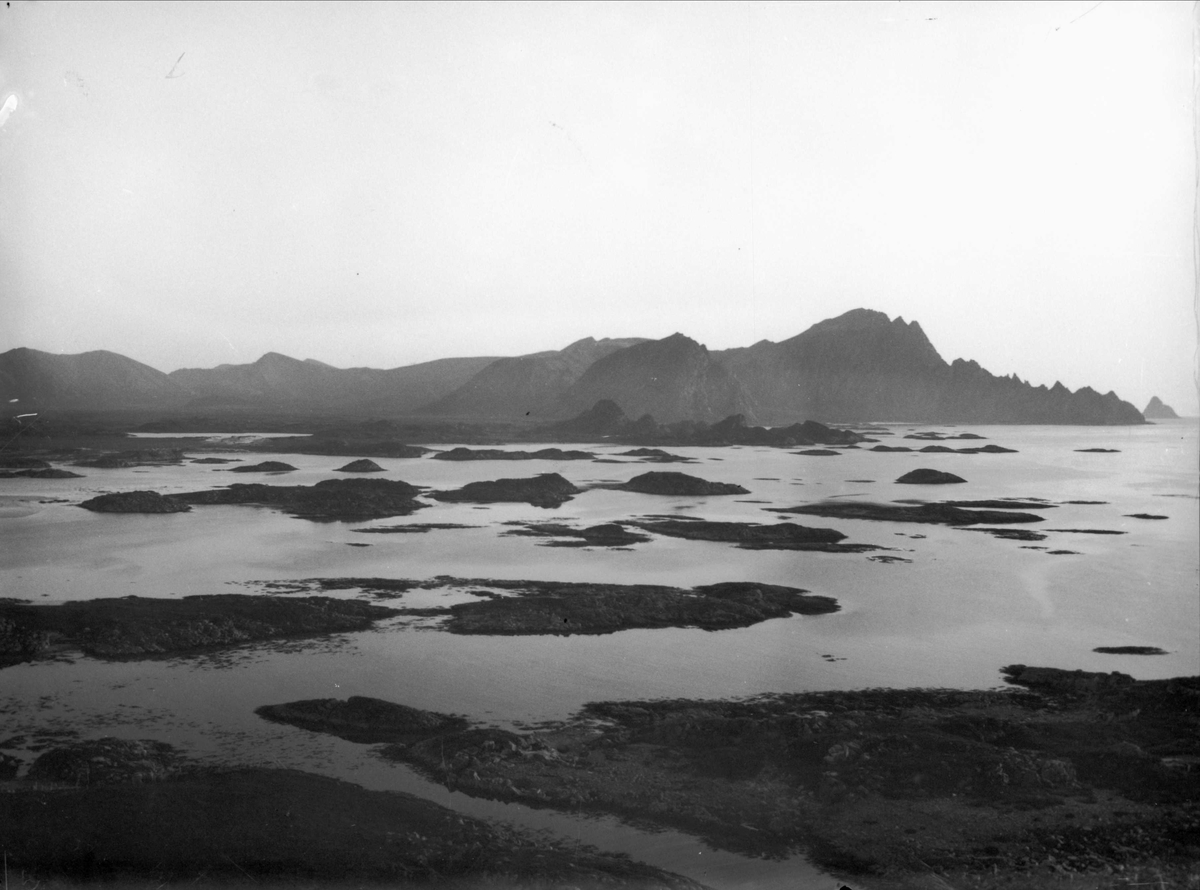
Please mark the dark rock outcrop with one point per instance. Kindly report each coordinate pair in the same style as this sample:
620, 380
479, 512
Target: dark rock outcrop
543, 490
936, 514
362, 719
608, 534
140, 627
755, 536
924, 476
107, 761
1057, 681
571, 608
363, 465
49, 473
678, 484
134, 502
21, 462
242, 826
657, 456
347, 500
267, 466
464, 454
1130, 650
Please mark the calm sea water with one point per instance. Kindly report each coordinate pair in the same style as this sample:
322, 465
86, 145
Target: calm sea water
963, 606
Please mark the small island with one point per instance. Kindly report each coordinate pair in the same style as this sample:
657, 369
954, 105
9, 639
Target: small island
267, 466
362, 465
933, 514
134, 502
929, 477
678, 484
330, 500
563, 608
544, 490
461, 454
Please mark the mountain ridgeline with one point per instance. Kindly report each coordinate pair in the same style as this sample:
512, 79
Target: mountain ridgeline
858, 367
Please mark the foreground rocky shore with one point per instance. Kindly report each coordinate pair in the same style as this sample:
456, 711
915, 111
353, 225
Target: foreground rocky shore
138, 813
1071, 777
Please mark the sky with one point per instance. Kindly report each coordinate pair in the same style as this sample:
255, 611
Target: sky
379, 184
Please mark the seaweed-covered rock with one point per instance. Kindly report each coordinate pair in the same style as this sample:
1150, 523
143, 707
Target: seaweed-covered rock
107, 761
925, 476
679, 484
134, 502
560, 608
363, 465
362, 719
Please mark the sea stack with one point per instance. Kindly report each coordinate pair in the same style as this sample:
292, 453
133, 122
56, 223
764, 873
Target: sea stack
1156, 410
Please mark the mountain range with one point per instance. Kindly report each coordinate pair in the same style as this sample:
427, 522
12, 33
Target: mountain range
858, 367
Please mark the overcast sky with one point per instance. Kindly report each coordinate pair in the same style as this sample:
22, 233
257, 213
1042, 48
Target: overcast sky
381, 184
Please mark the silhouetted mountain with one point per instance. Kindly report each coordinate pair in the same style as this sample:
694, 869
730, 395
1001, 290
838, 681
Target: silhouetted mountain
857, 367
31, 380
673, 379
283, 383
527, 385
1156, 410
861, 366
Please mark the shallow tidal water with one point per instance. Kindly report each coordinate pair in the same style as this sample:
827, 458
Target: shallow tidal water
963, 605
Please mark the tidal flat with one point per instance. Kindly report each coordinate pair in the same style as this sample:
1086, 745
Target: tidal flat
927, 628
